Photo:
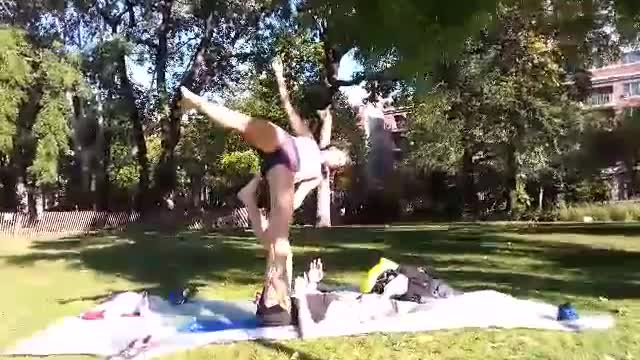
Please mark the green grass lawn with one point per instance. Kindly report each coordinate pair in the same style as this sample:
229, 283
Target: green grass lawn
595, 267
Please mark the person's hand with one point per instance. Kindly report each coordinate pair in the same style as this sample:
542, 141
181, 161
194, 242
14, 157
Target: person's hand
188, 100
257, 297
278, 68
316, 272
299, 287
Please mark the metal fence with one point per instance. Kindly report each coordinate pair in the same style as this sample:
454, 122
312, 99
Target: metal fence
89, 221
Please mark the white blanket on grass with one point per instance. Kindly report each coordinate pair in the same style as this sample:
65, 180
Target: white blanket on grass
162, 325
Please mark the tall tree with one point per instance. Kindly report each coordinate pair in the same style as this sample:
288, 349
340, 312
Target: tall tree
506, 102
197, 46
36, 121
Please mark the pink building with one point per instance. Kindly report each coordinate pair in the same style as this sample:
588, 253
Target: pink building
616, 87
384, 128
389, 120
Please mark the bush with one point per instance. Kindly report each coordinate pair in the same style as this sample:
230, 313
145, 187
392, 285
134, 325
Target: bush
620, 213
549, 215
634, 212
599, 213
609, 212
571, 214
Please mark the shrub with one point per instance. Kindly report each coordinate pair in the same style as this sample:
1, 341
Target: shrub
610, 212
599, 213
634, 211
619, 213
571, 214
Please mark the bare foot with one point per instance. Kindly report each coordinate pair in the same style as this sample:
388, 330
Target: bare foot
189, 100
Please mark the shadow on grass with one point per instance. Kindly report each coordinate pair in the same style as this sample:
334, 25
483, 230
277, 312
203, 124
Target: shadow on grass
289, 352
620, 229
469, 257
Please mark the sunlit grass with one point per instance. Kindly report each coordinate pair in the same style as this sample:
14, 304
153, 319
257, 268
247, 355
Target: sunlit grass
595, 267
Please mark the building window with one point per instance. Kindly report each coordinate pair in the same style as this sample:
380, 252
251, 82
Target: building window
600, 99
631, 57
632, 88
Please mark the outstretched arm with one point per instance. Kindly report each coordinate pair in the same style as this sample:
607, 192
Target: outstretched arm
295, 120
303, 190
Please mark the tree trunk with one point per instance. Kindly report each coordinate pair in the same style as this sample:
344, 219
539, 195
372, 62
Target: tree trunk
24, 146
162, 52
166, 172
165, 175
331, 62
468, 183
540, 197
35, 202
140, 150
323, 213
22, 195
101, 186
105, 181
510, 178
630, 178
196, 190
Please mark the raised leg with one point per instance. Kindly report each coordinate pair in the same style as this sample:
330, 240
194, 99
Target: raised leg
261, 134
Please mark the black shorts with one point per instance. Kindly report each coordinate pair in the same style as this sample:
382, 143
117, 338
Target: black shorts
276, 315
287, 155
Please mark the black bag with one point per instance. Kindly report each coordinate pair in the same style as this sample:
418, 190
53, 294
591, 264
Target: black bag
423, 285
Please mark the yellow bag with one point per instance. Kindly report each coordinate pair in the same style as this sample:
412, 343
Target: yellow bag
372, 275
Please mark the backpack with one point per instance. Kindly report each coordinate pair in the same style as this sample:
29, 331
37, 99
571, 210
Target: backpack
423, 284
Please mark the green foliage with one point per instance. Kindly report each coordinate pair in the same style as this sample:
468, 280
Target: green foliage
599, 212
592, 190
201, 142
51, 128
606, 147
620, 213
435, 140
154, 148
504, 106
412, 38
521, 201
239, 163
486, 81
51, 132
15, 77
28, 69
262, 100
123, 170
302, 57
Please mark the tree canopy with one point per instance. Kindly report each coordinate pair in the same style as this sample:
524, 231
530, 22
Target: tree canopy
90, 114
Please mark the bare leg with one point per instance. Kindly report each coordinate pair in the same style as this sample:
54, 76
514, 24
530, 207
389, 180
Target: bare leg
259, 223
262, 134
281, 188
223, 116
